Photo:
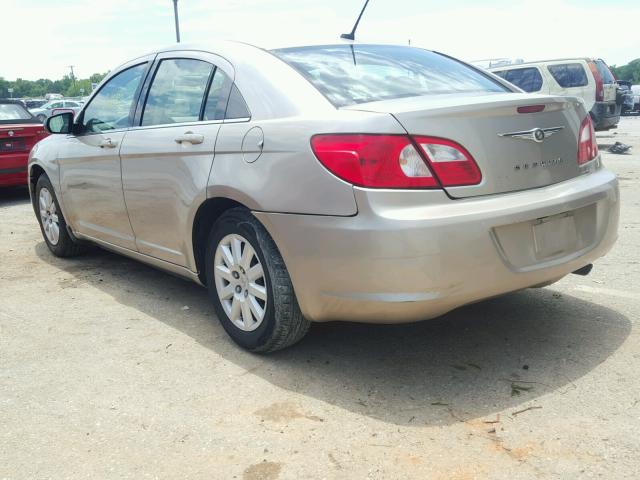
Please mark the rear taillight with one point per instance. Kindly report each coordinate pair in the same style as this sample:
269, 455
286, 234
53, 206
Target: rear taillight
392, 161
378, 161
599, 84
531, 108
587, 144
452, 165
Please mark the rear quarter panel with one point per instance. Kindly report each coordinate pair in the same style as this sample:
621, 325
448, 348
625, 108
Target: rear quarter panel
287, 177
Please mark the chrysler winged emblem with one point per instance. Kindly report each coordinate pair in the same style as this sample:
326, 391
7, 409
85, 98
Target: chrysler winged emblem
537, 135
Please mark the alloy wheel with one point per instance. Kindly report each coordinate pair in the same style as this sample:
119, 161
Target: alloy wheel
49, 216
240, 282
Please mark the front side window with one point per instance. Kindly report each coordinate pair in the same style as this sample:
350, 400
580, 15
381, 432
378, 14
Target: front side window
353, 74
569, 75
56, 105
177, 92
111, 107
528, 79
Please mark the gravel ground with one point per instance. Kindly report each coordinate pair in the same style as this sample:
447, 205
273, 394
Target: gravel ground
111, 369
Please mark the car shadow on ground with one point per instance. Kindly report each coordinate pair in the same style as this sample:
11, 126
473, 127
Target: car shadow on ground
10, 196
471, 363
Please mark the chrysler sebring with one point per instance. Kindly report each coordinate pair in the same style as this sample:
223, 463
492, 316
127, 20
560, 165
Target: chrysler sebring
360, 182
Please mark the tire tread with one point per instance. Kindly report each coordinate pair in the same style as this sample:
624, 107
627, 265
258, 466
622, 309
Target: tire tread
290, 325
67, 246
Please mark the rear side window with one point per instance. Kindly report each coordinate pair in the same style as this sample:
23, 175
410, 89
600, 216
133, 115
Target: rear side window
352, 74
528, 79
569, 74
237, 108
218, 95
177, 92
605, 73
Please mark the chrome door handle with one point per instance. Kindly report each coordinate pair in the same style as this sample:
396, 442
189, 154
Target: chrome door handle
190, 137
107, 143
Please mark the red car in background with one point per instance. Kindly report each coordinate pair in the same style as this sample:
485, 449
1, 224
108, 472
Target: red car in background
19, 132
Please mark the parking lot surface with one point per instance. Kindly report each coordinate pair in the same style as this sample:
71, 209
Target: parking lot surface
111, 369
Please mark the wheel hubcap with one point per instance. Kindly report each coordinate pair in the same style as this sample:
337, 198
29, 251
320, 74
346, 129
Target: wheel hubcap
240, 282
49, 216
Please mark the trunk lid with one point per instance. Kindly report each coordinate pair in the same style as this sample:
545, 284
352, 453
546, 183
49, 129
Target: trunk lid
488, 125
20, 137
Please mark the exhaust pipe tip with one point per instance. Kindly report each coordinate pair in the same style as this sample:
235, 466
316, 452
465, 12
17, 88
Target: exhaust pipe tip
584, 271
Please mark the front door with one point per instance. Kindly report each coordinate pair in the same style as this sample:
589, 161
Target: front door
90, 176
167, 156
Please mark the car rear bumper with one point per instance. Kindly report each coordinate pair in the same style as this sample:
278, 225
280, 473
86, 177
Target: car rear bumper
13, 169
393, 262
605, 115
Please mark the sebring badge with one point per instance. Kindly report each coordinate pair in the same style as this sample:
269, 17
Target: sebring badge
538, 135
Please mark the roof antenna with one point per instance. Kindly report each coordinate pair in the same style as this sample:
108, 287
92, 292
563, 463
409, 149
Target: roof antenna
352, 35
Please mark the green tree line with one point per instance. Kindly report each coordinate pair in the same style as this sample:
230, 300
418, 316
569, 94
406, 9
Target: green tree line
629, 72
67, 86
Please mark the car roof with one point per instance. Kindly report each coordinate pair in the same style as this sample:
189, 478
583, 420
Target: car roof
253, 65
232, 47
533, 62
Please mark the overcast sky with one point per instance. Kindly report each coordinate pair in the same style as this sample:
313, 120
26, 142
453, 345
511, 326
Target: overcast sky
49, 35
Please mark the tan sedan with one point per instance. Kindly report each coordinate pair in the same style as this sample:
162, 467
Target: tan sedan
371, 183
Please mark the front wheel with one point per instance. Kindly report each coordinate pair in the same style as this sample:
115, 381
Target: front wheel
52, 222
42, 118
249, 285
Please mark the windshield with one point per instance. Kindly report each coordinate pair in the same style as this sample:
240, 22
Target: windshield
13, 111
351, 74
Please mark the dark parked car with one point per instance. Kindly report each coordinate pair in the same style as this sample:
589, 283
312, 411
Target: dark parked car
627, 97
35, 103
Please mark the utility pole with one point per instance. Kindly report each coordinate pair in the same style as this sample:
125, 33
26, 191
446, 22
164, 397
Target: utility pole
73, 77
175, 14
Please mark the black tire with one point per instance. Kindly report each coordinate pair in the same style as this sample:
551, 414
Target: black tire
66, 245
42, 118
283, 323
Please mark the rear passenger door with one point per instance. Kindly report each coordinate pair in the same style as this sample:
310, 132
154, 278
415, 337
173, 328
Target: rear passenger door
167, 155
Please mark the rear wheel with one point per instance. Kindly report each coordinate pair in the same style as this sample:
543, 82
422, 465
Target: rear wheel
52, 222
249, 285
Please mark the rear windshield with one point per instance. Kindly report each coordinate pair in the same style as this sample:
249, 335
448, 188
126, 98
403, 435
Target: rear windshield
528, 79
13, 111
352, 74
569, 75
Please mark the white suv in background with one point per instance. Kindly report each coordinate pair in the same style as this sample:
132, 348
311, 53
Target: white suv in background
587, 78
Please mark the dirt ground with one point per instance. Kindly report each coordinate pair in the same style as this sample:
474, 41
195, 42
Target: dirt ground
111, 369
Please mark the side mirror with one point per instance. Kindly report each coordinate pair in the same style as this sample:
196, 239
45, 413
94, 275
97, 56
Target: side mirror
61, 123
